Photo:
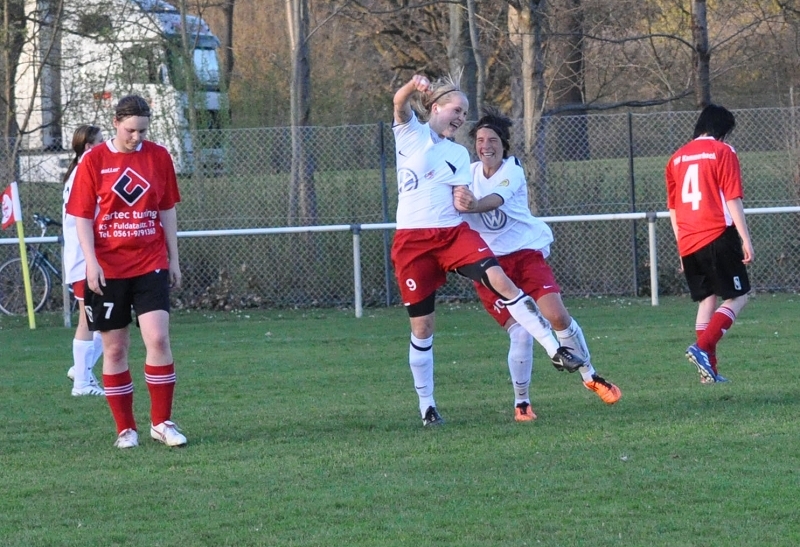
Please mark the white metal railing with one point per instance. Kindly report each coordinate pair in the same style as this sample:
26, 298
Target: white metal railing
356, 229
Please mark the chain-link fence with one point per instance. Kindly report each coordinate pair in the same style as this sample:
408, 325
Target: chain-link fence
273, 177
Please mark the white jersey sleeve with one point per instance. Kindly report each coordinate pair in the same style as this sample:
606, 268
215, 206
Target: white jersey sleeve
74, 262
427, 169
511, 227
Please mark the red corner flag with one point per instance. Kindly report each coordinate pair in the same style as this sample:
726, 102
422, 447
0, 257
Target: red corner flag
12, 212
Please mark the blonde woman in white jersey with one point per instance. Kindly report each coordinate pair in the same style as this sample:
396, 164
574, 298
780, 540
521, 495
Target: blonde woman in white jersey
87, 347
498, 201
431, 237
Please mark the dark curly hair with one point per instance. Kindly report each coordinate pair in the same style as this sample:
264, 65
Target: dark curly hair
499, 123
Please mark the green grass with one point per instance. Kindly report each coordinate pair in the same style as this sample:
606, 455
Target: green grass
303, 431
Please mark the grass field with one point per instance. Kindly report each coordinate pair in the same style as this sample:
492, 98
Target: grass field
303, 431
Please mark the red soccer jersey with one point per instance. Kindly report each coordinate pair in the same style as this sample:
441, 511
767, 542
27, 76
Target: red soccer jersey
123, 194
701, 177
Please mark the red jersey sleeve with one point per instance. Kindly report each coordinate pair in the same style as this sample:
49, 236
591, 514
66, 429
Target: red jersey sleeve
730, 175
171, 194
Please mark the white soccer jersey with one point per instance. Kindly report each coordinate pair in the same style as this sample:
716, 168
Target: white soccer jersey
74, 262
511, 227
427, 169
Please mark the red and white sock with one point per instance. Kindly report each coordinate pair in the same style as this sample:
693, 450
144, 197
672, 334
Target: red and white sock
161, 385
720, 323
119, 394
699, 329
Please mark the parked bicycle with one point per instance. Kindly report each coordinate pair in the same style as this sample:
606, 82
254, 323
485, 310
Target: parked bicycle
42, 272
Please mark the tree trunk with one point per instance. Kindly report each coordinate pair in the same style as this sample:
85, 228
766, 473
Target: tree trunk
51, 75
569, 88
515, 72
187, 48
525, 19
477, 56
701, 56
302, 194
12, 40
226, 39
459, 53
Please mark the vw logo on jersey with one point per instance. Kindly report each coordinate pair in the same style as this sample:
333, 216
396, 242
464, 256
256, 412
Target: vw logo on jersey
130, 186
406, 180
494, 220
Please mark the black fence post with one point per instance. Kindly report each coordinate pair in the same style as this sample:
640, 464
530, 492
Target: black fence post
632, 179
387, 266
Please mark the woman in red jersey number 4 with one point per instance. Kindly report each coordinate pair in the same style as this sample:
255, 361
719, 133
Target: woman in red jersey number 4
704, 196
124, 199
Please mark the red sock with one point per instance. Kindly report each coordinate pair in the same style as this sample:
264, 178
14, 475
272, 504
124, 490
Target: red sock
721, 321
161, 384
119, 394
712, 357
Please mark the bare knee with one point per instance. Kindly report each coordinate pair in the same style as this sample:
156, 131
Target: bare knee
552, 308
158, 342
501, 283
422, 327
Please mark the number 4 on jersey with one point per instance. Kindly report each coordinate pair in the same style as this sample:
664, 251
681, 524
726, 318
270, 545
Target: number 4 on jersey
690, 193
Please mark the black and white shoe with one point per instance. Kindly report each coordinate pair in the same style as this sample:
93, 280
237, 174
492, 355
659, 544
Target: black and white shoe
564, 359
432, 417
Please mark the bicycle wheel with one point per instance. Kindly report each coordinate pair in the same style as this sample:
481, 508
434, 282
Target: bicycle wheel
12, 287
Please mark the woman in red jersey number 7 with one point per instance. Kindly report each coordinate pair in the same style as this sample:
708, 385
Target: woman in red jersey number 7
432, 238
704, 196
124, 199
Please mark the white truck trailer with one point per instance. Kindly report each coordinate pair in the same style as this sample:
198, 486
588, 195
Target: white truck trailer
78, 62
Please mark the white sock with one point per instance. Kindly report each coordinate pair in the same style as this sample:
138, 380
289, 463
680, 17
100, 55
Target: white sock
520, 362
572, 338
420, 358
97, 352
587, 371
524, 310
82, 351
97, 339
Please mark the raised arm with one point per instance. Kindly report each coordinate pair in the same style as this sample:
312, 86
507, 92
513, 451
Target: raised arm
402, 98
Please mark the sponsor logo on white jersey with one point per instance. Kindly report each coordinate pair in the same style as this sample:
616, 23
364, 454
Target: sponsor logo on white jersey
494, 220
406, 180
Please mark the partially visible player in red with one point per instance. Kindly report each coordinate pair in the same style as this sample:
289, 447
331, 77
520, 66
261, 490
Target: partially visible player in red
87, 347
432, 238
704, 196
124, 199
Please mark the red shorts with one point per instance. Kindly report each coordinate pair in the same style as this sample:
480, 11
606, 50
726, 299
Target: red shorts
423, 256
529, 271
79, 289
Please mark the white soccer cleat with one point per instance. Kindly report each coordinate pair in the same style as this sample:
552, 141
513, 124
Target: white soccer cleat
127, 439
167, 433
93, 380
88, 390
71, 373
